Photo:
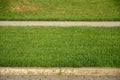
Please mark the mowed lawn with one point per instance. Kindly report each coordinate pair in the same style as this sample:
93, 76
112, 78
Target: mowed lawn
71, 10
60, 46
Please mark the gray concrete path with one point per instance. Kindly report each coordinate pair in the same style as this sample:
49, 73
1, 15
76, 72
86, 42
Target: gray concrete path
58, 77
61, 23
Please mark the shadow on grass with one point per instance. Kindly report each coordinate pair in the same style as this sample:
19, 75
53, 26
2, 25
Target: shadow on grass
4, 5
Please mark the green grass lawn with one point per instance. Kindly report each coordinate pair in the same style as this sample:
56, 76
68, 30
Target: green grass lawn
60, 46
74, 10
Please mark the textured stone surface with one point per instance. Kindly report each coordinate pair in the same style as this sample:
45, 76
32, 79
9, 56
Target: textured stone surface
59, 71
59, 77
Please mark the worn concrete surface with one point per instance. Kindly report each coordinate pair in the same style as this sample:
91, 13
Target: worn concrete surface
57, 71
61, 23
58, 77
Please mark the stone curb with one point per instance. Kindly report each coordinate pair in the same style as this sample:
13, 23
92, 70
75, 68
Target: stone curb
61, 23
59, 71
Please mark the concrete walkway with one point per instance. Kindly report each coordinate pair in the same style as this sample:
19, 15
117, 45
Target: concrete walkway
59, 71
57, 77
61, 23
29, 73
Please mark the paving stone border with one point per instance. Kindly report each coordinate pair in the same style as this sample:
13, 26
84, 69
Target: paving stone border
59, 71
61, 23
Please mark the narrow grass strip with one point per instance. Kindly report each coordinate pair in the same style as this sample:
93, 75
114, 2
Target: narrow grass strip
59, 47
